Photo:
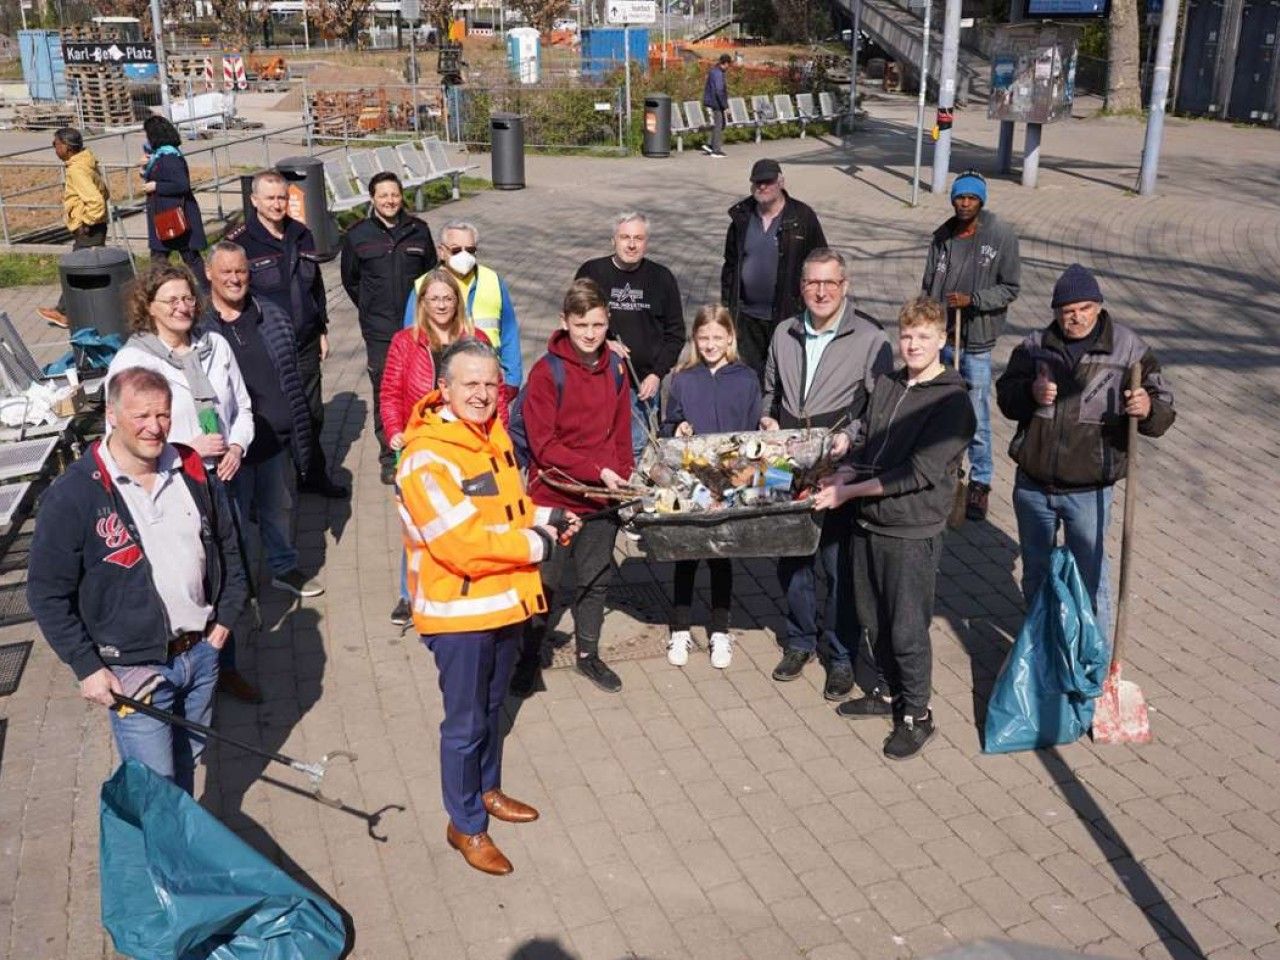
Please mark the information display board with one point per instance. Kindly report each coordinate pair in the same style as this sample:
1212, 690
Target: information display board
1033, 72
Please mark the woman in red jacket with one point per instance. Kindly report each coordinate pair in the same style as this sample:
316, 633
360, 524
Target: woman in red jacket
410, 374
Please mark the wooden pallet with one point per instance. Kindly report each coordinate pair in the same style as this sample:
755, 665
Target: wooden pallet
44, 116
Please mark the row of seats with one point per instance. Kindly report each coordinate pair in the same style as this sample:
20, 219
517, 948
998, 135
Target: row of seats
765, 111
415, 164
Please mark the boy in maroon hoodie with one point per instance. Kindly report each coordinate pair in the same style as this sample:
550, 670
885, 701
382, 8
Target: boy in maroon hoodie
577, 415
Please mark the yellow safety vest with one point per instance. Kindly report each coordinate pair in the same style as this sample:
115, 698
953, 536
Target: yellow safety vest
483, 297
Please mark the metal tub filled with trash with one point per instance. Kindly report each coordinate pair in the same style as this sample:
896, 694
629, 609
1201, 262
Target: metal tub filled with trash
732, 494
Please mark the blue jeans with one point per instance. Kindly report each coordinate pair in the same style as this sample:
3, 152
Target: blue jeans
976, 370
265, 487
799, 581
1084, 517
640, 422
187, 690
475, 670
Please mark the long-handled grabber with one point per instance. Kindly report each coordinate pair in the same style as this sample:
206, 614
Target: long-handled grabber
1120, 713
314, 771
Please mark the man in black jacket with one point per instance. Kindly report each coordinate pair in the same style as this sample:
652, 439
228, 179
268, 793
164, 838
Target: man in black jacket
918, 423
1067, 388
284, 268
770, 233
645, 313
381, 257
974, 270
135, 577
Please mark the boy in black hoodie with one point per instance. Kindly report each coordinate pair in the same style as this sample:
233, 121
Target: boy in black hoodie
918, 423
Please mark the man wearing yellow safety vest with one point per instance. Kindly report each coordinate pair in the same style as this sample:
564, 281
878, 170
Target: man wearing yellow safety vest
485, 294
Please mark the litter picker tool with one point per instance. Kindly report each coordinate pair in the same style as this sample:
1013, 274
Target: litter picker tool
314, 771
1120, 715
959, 503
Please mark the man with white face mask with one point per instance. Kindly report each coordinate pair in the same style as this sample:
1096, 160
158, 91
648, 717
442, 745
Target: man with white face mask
485, 294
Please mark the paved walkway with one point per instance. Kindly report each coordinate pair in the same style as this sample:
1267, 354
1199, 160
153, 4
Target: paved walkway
707, 814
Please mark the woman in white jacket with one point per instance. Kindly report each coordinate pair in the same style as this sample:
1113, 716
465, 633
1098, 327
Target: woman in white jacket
211, 412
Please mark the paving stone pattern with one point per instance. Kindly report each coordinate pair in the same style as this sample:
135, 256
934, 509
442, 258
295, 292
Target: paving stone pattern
717, 814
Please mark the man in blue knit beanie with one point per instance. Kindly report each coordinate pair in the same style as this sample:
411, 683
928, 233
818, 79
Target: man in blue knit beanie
1067, 388
974, 271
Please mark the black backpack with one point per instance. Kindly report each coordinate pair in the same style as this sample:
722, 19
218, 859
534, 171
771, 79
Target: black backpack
515, 411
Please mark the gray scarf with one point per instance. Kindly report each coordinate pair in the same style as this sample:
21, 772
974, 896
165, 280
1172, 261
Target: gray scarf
191, 364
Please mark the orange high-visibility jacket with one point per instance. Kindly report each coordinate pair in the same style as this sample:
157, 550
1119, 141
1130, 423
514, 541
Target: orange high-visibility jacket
473, 559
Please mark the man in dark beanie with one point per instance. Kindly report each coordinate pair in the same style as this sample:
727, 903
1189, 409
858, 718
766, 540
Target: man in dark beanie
974, 270
1067, 388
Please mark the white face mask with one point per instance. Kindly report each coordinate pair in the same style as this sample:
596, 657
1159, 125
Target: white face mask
462, 263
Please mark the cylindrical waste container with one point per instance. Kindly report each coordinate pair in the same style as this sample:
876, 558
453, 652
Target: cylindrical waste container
506, 135
657, 125
93, 282
307, 202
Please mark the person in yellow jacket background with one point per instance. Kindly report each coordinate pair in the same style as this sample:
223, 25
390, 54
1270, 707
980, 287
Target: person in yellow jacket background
474, 542
84, 203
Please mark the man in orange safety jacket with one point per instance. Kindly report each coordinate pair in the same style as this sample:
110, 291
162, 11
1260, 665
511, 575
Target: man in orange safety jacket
474, 541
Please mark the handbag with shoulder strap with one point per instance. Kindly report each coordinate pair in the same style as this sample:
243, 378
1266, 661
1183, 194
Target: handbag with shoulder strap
171, 224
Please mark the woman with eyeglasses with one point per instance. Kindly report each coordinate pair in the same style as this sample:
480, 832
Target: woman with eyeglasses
211, 412
439, 319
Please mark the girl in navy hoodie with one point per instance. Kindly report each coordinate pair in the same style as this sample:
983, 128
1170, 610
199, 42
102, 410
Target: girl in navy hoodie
711, 392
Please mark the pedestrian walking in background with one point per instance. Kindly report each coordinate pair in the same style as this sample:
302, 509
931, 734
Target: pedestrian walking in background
711, 392
174, 222
715, 97
1066, 387
918, 423
382, 256
973, 269
84, 203
770, 234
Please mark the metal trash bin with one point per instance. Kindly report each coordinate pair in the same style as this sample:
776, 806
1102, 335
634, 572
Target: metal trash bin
308, 203
657, 125
93, 283
506, 135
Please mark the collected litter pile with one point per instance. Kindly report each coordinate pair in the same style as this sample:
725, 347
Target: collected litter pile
724, 494
724, 471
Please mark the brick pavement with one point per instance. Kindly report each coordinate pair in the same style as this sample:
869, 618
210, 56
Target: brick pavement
708, 814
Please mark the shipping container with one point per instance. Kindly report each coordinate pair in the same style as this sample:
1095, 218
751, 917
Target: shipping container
42, 67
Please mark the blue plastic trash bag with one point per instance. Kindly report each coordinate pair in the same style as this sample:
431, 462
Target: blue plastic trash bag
178, 885
94, 349
1045, 691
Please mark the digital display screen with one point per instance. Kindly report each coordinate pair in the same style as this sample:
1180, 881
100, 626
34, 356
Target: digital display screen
1066, 9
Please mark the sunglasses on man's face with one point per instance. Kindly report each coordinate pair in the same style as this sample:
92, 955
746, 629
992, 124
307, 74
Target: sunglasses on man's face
453, 250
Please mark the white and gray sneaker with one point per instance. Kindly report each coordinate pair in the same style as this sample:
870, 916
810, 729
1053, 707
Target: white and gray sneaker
678, 647
298, 583
706, 148
721, 650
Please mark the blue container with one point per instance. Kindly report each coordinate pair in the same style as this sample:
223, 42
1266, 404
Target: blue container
602, 50
42, 67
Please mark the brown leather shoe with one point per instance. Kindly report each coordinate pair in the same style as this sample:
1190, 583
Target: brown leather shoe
506, 808
233, 682
479, 851
53, 317
975, 507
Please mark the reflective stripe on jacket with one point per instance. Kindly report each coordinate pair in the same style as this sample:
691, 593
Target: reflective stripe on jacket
472, 554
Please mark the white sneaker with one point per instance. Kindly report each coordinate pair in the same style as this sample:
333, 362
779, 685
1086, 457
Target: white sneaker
678, 647
721, 650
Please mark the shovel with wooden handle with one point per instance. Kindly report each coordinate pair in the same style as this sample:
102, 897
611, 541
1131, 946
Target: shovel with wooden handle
1120, 714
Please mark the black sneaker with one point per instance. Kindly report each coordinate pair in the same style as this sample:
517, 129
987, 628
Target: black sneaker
872, 705
402, 616
909, 737
791, 665
322, 486
387, 473
524, 679
976, 502
598, 672
839, 681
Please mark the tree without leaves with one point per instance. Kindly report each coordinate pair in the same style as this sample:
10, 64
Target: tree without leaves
343, 18
1124, 89
438, 13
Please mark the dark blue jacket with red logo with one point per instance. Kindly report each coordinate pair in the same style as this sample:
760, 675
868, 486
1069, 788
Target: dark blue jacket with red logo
89, 583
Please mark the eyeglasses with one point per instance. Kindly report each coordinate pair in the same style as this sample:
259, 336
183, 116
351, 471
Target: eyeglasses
449, 299
821, 284
453, 250
174, 301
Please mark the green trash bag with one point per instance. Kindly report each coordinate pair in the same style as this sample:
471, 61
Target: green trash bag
1045, 691
178, 885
